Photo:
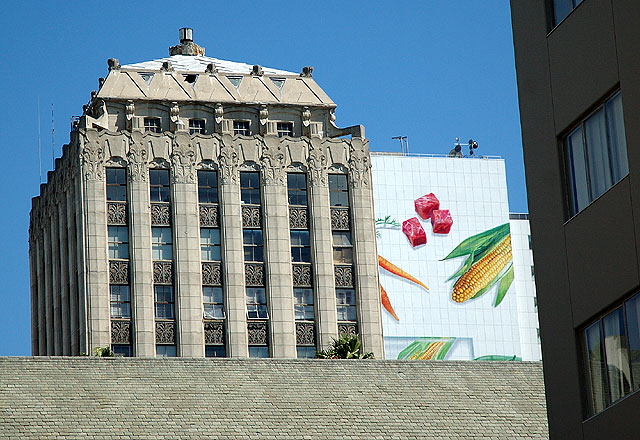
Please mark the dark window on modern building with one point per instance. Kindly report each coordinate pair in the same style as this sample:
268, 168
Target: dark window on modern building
164, 302
118, 238
346, 305
611, 352
159, 185
152, 124
285, 129
253, 245
256, 303
297, 189
116, 185
120, 301
342, 247
250, 187
596, 154
210, 244
562, 8
161, 243
338, 191
207, 186
196, 126
241, 127
300, 246
213, 303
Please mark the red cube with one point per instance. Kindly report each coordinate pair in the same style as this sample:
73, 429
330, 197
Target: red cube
441, 221
425, 205
414, 232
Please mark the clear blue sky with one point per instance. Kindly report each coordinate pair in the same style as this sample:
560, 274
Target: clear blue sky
430, 70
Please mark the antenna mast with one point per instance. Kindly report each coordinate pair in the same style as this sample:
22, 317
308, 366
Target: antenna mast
53, 142
39, 142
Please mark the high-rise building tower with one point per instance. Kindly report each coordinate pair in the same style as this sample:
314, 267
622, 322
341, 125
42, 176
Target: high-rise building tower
205, 208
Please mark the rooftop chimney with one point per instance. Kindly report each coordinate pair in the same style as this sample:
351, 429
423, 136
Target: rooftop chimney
186, 46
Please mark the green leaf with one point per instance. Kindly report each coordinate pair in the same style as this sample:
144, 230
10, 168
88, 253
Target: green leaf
475, 241
417, 346
505, 283
498, 357
440, 355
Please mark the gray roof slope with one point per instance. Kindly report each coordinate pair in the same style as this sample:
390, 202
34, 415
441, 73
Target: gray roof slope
92, 398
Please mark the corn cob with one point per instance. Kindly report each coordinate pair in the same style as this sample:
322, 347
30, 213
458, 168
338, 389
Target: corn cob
482, 272
429, 353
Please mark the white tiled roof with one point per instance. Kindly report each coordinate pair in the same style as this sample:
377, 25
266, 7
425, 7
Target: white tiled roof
187, 63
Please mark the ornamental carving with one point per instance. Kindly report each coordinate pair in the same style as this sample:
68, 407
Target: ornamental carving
251, 217
160, 214
137, 157
209, 216
162, 272
253, 274
165, 332
257, 332
317, 164
212, 274
344, 276
228, 165
340, 219
305, 334
359, 165
92, 156
118, 272
183, 160
121, 332
348, 329
298, 218
213, 333
273, 166
302, 275
116, 213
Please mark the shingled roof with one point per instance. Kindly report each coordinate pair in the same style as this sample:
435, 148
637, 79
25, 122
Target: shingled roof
94, 398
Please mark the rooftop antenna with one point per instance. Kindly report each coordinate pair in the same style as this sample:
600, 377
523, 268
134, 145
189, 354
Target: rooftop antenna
39, 142
53, 141
404, 144
457, 147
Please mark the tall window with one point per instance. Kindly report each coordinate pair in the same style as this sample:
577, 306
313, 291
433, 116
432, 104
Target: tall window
159, 185
118, 238
241, 127
212, 300
207, 186
164, 302
346, 305
152, 124
120, 301
303, 300
161, 243
338, 191
256, 303
285, 129
297, 188
300, 246
562, 8
116, 185
196, 126
253, 245
250, 187
210, 244
596, 154
342, 247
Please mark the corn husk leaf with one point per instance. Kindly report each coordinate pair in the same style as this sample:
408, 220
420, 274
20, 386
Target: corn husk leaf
477, 241
440, 355
419, 346
505, 283
498, 357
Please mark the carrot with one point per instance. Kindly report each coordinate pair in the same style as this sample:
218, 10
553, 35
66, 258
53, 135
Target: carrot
397, 271
386, 303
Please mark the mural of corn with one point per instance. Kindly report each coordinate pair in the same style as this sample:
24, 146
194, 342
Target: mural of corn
489, 261
427, 349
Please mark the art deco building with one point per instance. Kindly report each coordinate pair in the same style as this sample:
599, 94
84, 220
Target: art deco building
205, 208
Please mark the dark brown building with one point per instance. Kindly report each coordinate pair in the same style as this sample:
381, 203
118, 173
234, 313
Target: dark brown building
579, 88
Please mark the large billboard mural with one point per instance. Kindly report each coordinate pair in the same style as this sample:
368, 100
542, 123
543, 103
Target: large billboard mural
446, 267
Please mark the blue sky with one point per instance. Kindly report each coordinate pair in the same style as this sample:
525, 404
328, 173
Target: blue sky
430, 70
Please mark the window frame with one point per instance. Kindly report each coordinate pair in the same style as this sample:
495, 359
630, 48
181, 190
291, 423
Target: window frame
205, 190
300, 246
159, 185
250, 193
118, 248
168, 304
209, 246
301, 304
336, 192
241, 127
284, 128
251, 247
197, 126
159, 247
295, 192
152, 124
116, 186
342, 251
210, 302
345, 308
119, 302
254, 305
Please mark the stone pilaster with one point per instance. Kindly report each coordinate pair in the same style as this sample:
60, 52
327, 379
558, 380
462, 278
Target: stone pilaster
141, 274
321, 245
48, 292
95, 229
55, 285
72, 268
33, 272
65, 323
232, 251
186, 245
364, 248
275, 226
81, 240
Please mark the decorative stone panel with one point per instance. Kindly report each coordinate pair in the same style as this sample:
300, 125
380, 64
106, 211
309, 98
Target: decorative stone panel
209, 216
302, 275
298, 218
160, 214
116, 213
162, 272
344, 276
118, 272
165, 332
254, 274
212, 274
251, 216
257, 332
305, 334
121, 332
350, 329
340, 219
213, 333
